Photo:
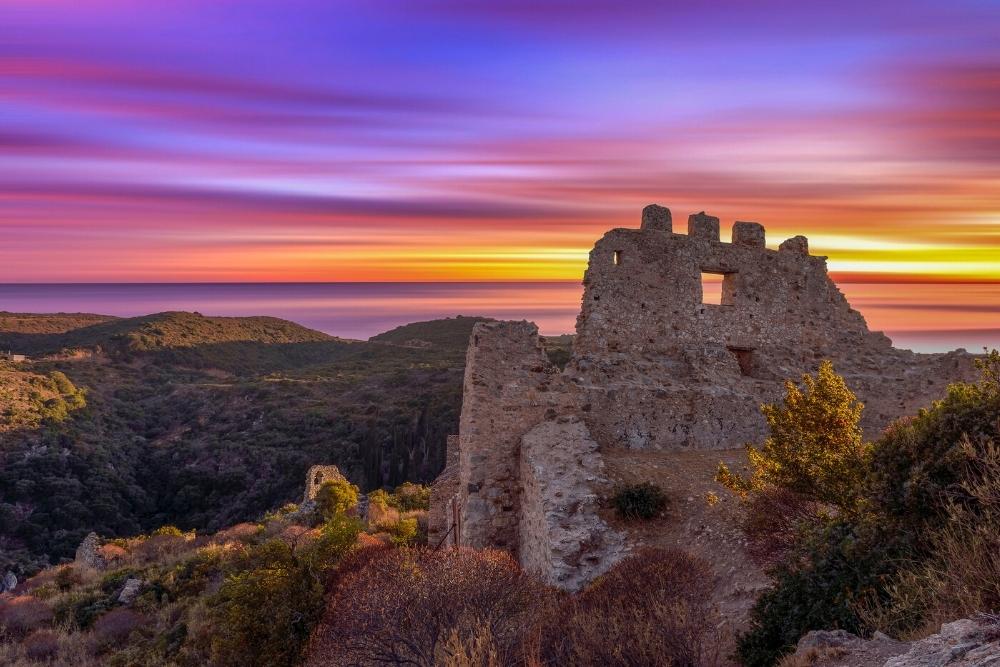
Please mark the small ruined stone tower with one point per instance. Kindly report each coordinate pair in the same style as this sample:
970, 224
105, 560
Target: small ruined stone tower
315, 478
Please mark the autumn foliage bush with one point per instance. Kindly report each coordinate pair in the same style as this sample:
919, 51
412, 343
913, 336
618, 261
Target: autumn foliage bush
653, 608
418, 607
23, 613
115, 626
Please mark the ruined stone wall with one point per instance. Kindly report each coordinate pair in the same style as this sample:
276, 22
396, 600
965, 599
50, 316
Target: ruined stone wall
315, 478
654, 367
665, 370
563, 540
507, 390
445, 487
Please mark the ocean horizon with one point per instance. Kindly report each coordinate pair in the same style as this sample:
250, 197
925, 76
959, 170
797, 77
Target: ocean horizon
937, 317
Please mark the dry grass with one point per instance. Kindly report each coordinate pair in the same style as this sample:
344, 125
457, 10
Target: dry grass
962, 578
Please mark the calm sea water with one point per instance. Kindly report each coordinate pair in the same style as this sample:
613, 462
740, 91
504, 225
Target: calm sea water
924, 317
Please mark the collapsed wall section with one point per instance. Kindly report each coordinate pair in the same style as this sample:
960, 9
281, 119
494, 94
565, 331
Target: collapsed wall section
563, 540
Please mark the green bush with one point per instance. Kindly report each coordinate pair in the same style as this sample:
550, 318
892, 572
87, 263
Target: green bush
639, 501
923, 519
273, 597
336, 497
819, 586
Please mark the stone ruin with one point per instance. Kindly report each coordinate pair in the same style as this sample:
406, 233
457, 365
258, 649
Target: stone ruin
654, 367
315, 478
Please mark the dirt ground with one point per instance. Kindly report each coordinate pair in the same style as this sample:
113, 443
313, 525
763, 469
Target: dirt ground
691, 523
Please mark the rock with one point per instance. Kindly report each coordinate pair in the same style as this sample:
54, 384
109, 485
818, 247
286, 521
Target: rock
130, 591
964, 643
88, 554
8, 582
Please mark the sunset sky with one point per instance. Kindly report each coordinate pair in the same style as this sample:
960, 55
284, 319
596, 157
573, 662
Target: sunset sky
199, 140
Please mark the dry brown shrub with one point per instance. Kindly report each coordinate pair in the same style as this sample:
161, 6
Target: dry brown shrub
23, 613
112, 553
115, 626
41, 645
159, 547
416, 607
241, 532
772, 522
380, 515
653, 608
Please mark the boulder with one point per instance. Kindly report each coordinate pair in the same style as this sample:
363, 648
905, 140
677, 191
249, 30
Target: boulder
130, 591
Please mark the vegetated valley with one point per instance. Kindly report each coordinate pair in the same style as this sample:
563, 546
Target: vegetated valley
120, 426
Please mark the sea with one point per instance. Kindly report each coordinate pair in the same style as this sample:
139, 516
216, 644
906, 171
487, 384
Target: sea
919, 316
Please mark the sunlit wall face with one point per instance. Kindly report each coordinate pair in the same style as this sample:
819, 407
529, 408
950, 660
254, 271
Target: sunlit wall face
345, 140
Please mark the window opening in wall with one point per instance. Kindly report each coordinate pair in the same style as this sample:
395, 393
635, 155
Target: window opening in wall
617, 259
718, 287
319, 478
744, 357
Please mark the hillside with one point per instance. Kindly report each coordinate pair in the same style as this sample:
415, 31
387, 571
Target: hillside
50, 334
204, 422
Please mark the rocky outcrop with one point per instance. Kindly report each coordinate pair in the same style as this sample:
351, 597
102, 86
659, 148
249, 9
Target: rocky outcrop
963, 643
130, 591
8, 582
88, 554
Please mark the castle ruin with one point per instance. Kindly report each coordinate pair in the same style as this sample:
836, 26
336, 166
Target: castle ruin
654, 367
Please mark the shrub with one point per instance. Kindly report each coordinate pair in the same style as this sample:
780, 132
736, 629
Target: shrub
115, 627
639, 501
336, 497
272, 598
23, 613
408, 496
403, 532
653, 608
918, 542
922, 465
169, 531
815, 449
41, 645
961, 576
67, 577
406, 605
818, 586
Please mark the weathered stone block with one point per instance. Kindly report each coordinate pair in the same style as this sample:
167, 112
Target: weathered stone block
796, 244
749, 233
703, 226
657, 218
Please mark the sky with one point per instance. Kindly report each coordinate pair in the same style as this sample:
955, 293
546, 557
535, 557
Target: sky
378, 140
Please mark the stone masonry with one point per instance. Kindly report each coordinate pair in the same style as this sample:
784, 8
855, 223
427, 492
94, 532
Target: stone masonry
315, 478
654, 366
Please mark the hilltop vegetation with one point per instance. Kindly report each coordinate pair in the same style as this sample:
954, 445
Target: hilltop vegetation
899, 535
204, 422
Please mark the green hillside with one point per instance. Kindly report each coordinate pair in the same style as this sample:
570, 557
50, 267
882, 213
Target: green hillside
203, 422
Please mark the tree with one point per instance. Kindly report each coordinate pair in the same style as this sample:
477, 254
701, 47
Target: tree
815, 449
